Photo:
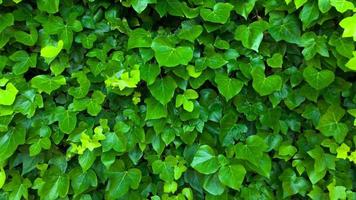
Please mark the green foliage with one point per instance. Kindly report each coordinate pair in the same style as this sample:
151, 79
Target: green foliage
177, 99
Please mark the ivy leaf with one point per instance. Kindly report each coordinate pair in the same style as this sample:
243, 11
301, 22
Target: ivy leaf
351, 64
47, 84
265, 85
25, 38
8, 96
232, 175
251, 35
50, 52
48, 6
28, 102
120, 182
349, 26
284, 27
189, 31
292, 184
313, 44
81, 181
309, 14
86, 40
318, 79
163, 89
2, 177
139, 38
6, 20
67, 121
205, 161
55, 184
155, 110
10, 141
185, 100
23, 61
140, 5
86, 160
342, 5
228, 87
213, 185
170, 56
220, 13
336, 192
329, 124
244, 8
253, 152
299, 3
149, 73
275, 61
342, 151
324, 5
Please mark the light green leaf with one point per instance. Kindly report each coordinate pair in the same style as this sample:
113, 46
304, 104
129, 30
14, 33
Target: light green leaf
299, 3
351, 64
52, 51
163, 89
220, 13
232, 175
318, 79
228, 87
2, 177
8, 96
349, 26
47, 84
342, 5
205, 161
336, 192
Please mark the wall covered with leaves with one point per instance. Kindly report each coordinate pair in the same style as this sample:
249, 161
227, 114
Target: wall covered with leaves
171, 99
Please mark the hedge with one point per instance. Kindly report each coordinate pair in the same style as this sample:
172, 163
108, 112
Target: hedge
177, 99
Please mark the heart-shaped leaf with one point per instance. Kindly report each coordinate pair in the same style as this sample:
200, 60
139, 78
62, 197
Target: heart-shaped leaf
318, 79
